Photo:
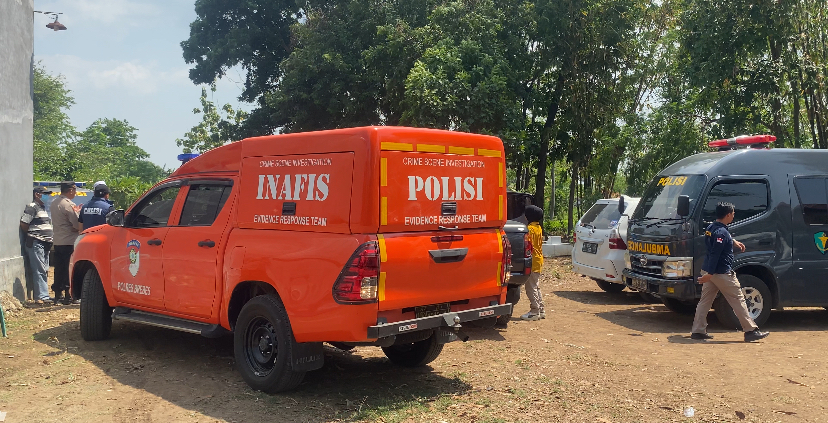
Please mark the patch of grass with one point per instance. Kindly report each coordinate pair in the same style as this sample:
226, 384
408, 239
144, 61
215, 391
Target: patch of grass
443, 402
387, 410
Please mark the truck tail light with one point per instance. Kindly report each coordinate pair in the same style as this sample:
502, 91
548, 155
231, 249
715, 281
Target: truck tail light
358, 282
615, 241
527, 252
506, 259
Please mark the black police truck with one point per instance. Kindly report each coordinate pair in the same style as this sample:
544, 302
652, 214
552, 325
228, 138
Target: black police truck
781, 201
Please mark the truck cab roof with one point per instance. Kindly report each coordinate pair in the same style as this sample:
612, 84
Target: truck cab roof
747, 162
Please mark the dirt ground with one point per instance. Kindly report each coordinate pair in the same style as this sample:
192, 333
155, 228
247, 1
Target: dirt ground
597, 357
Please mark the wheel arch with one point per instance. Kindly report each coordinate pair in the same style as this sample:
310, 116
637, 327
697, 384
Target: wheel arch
242, 293
78, 272
766, 275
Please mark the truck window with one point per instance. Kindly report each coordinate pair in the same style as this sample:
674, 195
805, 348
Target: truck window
154, 211
602, 216
204, 202
813, 196
749, 199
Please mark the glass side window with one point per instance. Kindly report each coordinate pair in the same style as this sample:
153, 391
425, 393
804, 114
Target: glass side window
203, 204
154, 211
748, 198
813, 196
601, 216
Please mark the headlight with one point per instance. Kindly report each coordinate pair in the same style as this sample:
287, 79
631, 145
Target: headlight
677, 268
77, 240
627, 262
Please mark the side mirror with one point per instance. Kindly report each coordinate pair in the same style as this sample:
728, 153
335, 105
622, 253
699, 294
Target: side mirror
115, 218
621, 205
683, 208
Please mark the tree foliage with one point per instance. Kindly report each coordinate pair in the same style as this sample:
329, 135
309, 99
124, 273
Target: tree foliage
585, 93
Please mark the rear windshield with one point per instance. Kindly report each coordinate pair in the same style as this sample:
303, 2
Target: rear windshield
660, 199
602, 216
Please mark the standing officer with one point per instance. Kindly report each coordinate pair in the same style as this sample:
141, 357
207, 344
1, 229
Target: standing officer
37, 225
94, 212
66, 228
718, 275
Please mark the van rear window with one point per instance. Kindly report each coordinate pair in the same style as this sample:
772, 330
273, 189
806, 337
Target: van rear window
813, 196
601, 216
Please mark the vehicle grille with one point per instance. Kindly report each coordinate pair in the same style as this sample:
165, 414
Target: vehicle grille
651, 268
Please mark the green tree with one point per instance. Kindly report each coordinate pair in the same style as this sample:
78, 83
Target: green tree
52, 129
214, 130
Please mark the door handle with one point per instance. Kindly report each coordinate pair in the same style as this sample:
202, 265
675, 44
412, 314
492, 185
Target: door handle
448, 256
207, 243
154, 241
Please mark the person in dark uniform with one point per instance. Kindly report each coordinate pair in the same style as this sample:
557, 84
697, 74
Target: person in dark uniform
94, 212
718, 276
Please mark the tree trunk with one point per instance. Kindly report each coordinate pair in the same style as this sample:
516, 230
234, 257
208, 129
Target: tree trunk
796, 112
552, 195
570, 213
546, 136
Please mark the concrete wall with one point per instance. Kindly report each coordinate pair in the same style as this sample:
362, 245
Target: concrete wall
16, 58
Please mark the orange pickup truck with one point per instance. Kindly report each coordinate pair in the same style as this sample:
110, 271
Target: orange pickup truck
382, 236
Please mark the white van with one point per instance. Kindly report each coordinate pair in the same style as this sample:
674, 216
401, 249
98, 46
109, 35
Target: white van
601, 241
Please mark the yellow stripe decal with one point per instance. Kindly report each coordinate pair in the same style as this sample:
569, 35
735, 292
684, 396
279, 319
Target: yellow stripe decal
383, 172
383, 254
500, 175
430, 148
381, 287
500, 207
488, 153
397, 146
384, 210
497, 278
499, 242
461, 150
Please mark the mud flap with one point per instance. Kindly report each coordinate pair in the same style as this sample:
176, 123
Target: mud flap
306, 356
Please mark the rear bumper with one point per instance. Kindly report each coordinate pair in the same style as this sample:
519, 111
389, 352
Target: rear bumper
680, 289
600, 272
446, 320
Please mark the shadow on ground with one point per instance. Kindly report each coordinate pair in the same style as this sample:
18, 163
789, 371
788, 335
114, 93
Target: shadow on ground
603, 298
198, 374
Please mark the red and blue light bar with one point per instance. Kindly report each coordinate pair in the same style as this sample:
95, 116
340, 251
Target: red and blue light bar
746, 140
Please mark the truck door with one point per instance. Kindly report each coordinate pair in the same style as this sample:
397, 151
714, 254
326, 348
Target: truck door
810, 234
193, 248
137, 250
440, 220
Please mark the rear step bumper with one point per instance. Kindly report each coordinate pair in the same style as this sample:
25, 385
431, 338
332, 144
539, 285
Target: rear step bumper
159, 320
447, 320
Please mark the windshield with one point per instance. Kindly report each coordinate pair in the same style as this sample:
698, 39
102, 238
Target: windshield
661, 196
81, 197
601, 216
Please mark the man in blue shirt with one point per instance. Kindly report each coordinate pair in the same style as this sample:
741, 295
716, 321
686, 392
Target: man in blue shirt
718, 275
94, 212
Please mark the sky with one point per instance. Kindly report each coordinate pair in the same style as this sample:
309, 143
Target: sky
122, 59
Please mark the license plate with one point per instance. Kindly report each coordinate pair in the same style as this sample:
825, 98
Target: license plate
590, 247
639, 284
432, 310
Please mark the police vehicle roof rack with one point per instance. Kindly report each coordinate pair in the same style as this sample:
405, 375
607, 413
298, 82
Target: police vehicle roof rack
743, 141
56, 183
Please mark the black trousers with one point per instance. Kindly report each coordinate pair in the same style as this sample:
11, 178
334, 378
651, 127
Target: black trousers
62, 255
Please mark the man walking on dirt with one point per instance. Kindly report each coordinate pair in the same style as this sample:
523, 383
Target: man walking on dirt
718, 275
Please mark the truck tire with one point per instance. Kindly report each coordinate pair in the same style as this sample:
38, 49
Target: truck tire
513, 297
679, 307
415, 354
609, 286
95, 312
758, 298
261, 343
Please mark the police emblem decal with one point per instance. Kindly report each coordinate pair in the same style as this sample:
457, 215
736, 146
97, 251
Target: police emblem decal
133, 248
820, 239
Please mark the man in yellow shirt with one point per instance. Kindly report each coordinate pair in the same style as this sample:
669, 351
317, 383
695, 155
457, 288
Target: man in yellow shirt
534, 215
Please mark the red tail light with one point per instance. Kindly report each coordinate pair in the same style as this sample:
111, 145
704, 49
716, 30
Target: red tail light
574, 237
615, 241
358, 281
506, 259
527, 252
